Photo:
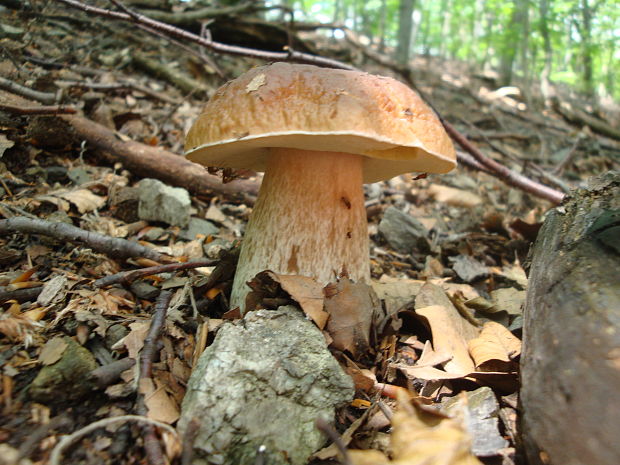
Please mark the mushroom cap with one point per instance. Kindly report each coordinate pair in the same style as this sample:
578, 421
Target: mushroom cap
320, 109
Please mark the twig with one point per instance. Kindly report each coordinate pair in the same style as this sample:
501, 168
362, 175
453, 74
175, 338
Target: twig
127, 277
40, 110
66, 441
44, 97
118, 86
507, 175
570, 156
328, 431
105, 375
21, 295
147, 355
112, 246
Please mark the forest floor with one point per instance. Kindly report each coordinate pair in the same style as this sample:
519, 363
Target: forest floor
56, 172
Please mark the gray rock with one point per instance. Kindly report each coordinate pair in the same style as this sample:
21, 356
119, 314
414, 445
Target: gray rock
263, 382
469, 269
480, 411
198, 226
160, 202
403, 232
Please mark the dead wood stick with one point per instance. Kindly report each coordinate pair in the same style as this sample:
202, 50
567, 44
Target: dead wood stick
38, 110
504, 173
147, 161
112, 246
44, 97
147, 355
576, 116
105, 375
127, 277
21, 295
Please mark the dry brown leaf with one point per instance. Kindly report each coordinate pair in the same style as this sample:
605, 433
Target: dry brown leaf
396, 293
84, 200
353, 308
421, 438
160, 405
495, 343
308, 294
52, 351
135, 339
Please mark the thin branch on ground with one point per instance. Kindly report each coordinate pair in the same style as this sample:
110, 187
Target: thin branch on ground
145, 383
127, 277
47, 98
68, 440
112, 246
38, 110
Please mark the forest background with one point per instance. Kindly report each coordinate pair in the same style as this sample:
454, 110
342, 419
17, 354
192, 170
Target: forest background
569, 42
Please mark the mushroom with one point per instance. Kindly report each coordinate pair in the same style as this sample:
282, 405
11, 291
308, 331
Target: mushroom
318, 134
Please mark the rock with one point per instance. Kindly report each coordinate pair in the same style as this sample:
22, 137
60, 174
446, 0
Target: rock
263, 382
68, 378
468, 269
403, 232
198, 226
160, 202
480, 411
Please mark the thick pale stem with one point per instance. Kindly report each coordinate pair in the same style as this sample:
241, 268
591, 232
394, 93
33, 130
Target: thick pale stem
309, 220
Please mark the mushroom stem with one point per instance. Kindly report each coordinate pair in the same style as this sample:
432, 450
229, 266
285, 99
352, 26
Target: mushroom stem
309, 219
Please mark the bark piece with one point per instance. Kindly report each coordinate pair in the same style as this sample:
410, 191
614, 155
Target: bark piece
571, 361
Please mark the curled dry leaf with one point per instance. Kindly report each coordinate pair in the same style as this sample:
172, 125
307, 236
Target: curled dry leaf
495, 346
353, 309
421, 438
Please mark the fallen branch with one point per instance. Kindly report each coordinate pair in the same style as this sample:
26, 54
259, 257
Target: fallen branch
127, 277
44, 97
38, 110
145, 383
581, 118
112, 246
147, 161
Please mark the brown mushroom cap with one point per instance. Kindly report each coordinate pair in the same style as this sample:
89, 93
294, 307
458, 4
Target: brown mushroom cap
312, 108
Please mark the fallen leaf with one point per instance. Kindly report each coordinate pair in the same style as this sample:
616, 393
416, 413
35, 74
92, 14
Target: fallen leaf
5, 144
495, 344
83, 199
421, 438
308, 294
353, 308
450, 331
396, 293
52, 351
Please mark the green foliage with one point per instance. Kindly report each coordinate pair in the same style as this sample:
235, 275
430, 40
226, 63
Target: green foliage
494, 33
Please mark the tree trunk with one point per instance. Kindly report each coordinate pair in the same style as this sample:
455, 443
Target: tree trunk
545, 85
586, 47
405, 28
514, 30
382, 20
570, 367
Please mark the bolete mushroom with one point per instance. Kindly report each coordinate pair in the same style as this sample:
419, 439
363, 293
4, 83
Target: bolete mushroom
318, 134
